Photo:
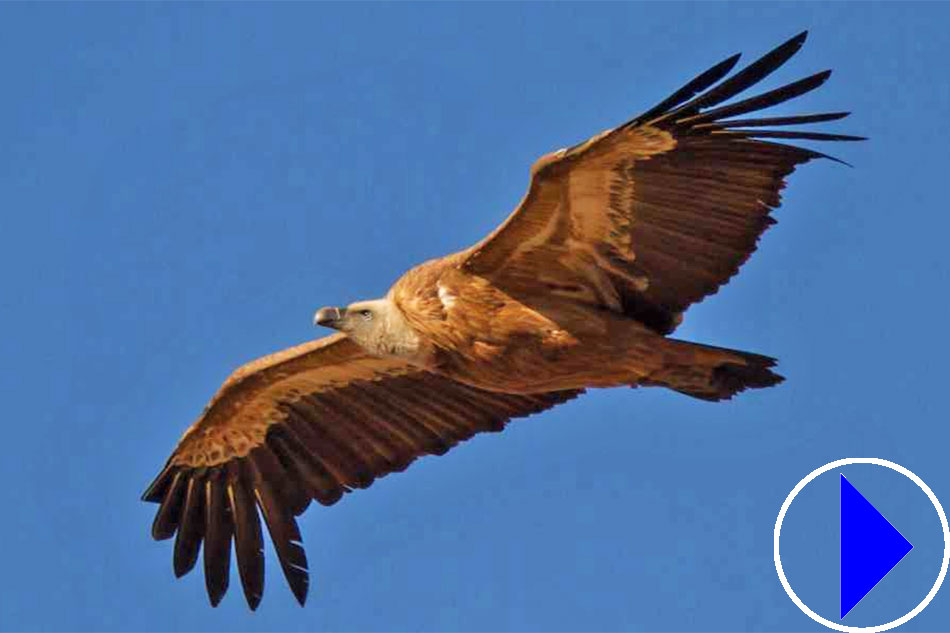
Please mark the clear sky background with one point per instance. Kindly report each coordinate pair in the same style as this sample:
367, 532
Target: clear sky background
181, 185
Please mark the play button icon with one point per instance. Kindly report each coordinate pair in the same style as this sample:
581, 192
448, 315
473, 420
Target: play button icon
870, 547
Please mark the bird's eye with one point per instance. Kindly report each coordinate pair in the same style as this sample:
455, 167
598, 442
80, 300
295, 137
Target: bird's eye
366, 314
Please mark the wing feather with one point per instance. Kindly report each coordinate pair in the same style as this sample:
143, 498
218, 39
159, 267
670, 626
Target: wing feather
248, 544
191, 530
412, 428
798, 119
169, 512
273, 488
346, 456
691, 89
368, 439
804, 136
434, 410
320, 483
218, 532
159, 486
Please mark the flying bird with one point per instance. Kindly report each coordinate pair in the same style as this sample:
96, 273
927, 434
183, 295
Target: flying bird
578, 288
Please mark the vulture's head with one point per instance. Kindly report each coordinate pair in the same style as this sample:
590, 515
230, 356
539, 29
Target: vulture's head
378, 326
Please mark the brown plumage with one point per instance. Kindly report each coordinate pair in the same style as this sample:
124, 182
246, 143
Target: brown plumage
614, 240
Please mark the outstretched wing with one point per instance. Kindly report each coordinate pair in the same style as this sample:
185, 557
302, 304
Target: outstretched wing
311, 422
654, 215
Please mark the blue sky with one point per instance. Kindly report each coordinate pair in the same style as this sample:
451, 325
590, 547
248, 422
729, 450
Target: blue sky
183, 184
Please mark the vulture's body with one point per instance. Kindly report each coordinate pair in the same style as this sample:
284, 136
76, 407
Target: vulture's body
578, 288
546, 339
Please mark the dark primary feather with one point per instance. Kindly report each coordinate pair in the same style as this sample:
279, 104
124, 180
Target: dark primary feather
248, 545
810, 136
271, 488
191, 530
218, 531
778, 120
156, 491
169, 512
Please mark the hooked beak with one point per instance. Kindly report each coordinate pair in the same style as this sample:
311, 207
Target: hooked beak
328, 317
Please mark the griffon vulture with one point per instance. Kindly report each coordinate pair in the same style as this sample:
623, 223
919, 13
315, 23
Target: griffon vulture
579, 287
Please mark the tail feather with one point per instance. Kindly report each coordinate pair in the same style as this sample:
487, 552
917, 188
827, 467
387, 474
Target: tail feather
714, 373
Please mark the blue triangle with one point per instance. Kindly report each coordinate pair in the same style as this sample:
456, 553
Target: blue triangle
870, 547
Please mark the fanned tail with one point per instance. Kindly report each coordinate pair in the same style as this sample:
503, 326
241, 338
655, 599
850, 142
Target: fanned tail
713, 373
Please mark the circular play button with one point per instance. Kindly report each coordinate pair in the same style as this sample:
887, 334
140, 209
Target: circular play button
878, 540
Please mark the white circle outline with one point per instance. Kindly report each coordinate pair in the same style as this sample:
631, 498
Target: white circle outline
943, 523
